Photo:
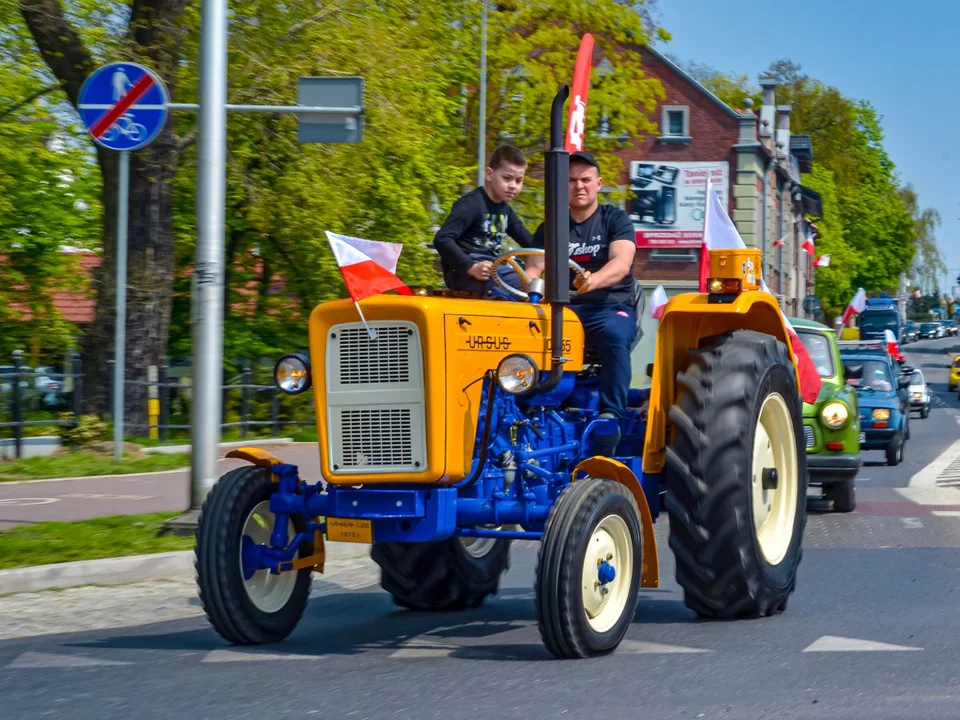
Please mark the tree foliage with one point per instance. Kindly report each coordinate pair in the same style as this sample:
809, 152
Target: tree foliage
928, 265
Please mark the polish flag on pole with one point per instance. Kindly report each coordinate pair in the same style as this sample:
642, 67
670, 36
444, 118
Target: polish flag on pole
368, 267
822, 261
856, 305
892, 347
781, 241
808, 246
719, 232
658, 301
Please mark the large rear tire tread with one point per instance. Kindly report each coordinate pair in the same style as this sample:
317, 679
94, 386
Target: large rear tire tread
719, 564
216, 560
439, 576
561, 617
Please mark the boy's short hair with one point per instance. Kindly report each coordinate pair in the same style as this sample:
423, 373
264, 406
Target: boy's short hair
507, 154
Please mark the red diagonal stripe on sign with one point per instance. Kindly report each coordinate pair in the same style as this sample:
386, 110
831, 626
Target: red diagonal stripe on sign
136, 92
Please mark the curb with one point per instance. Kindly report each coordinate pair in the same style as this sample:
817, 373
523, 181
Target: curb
129, 569
252, 442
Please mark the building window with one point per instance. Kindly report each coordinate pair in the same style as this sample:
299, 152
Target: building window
675, 123
688, 255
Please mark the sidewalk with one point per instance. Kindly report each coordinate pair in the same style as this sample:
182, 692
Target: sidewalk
73, 499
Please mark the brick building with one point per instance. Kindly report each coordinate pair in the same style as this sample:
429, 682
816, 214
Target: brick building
753, 157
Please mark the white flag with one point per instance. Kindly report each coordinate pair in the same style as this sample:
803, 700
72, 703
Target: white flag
658, 301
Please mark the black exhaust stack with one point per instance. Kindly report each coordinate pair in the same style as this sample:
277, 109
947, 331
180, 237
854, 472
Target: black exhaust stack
556, 232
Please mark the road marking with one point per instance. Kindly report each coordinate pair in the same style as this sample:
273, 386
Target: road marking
636, 647
107, 496
218, 656
927, 477
28, 501
48, 660
834, 643
913, 523
946, 513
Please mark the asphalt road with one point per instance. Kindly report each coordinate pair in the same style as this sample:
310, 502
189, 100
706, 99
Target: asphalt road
870, 632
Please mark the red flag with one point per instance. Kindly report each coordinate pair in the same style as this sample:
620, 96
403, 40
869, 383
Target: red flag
577, 116
810, 381
368, 266
856, 305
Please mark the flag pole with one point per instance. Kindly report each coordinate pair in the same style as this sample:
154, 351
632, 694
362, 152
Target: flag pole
370, 330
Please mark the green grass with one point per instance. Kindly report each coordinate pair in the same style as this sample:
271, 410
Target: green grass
83, 464
115, 536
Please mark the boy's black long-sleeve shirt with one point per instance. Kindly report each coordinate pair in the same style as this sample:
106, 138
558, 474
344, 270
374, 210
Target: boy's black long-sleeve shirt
477, 225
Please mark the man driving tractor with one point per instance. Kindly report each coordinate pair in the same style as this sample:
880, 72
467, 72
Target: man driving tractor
603, 242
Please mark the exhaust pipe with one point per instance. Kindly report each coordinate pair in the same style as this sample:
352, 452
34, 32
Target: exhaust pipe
556, 232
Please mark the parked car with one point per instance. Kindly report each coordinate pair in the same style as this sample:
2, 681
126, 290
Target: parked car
882, 398
911, 332
949, 327
930, 330
831, 425
919, 393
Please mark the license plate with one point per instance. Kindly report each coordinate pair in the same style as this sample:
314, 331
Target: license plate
863, 437
349, 530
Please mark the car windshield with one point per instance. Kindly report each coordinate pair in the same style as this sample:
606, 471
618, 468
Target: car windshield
878, 322
819, 348
928, 326
876, 375
916, 379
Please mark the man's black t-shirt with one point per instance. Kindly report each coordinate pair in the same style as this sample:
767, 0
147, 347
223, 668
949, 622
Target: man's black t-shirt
590, 249
477, 226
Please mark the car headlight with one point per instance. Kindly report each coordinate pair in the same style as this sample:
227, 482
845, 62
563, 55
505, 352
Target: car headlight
881, 414
292, 373
517, 374
835, 414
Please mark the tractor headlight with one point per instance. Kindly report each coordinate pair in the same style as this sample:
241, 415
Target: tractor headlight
292, 373
881, 414
835, 414
517, 374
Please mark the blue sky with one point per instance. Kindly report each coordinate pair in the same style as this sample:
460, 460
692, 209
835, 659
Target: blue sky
902, 57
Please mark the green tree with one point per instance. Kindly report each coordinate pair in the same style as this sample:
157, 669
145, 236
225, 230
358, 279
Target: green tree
928, 263
49, 200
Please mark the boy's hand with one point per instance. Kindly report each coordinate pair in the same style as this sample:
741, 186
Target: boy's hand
481, 270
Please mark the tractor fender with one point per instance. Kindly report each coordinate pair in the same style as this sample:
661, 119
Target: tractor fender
256, 456
602, 467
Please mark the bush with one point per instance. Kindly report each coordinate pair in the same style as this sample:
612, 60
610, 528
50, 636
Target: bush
90, 431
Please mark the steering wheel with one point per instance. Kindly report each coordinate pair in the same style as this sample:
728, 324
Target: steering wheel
508, 259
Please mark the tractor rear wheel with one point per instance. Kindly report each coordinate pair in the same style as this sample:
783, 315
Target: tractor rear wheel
246, 607
588, 569
736, 473
453, 574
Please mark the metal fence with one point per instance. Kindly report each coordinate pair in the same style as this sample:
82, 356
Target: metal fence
27, 391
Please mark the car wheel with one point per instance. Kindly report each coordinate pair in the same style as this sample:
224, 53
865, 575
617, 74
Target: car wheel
925, 411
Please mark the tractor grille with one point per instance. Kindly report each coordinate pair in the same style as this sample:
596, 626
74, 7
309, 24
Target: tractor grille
376, 438
808, 436
385, 359
375, 399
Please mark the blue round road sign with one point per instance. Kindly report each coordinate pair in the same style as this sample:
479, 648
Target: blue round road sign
123, 105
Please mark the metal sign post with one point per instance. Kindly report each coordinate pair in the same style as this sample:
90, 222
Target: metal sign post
124, 107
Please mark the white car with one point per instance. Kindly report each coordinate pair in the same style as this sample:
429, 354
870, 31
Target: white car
919, 394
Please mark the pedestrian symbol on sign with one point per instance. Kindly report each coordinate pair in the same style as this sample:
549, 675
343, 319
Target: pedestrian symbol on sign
121, 83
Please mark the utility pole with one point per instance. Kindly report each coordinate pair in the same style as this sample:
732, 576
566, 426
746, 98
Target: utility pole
481, 146
208, 273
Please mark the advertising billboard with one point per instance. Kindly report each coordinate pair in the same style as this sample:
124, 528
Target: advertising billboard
666, 200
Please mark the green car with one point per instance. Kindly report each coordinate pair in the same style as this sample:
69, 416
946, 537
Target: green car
831, 426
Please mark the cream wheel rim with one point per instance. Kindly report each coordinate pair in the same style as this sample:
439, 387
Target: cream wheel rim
609, 548
268, 592
774, 481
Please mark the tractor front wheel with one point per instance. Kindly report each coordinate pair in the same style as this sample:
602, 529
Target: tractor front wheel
246, 607
736, 473
588, 569
453, 574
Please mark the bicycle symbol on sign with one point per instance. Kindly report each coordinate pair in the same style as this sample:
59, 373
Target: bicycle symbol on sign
127, 127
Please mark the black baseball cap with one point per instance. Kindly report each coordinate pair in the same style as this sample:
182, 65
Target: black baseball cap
582, 156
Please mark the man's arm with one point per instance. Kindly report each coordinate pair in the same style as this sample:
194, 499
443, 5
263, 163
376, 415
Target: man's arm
453, 228
621, 251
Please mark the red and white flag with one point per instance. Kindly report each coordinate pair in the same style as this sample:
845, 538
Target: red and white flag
781, 241
808, 247
658, 301
892, 346
822, 261
855, 306
916, 294
577, 116
810, 381
369, 267
719, 232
